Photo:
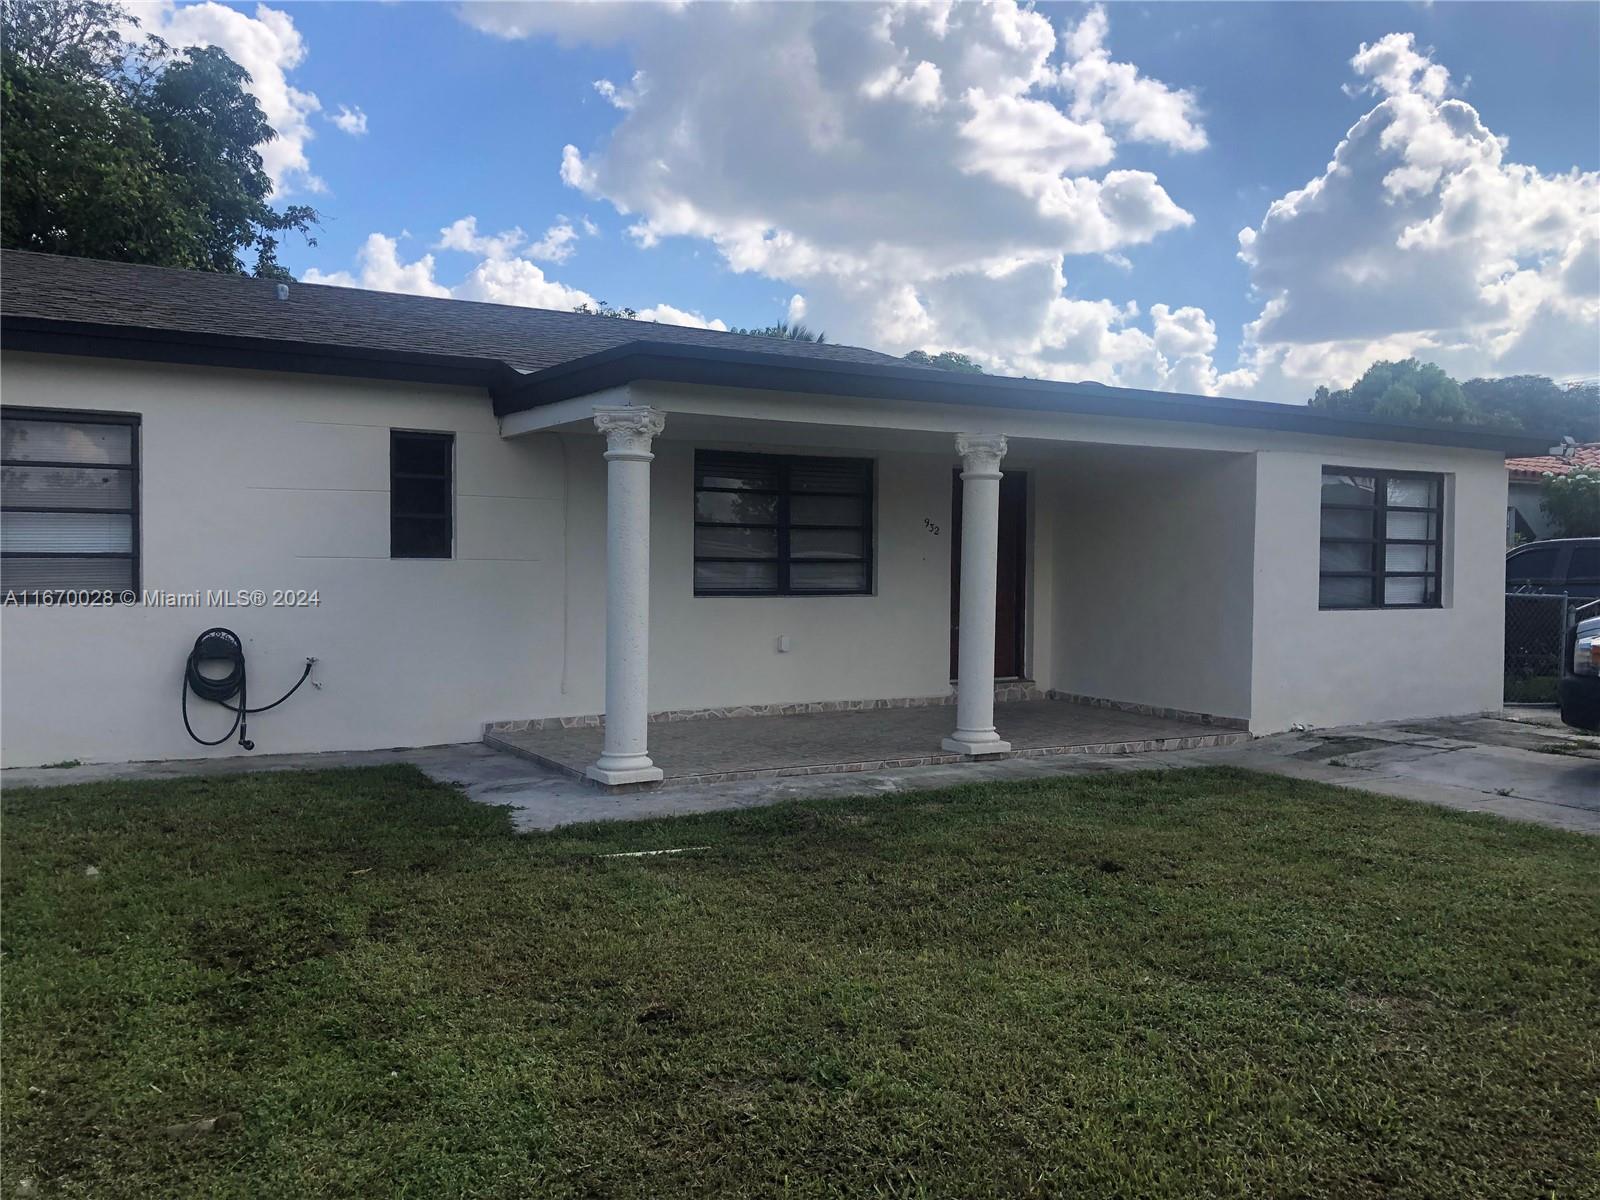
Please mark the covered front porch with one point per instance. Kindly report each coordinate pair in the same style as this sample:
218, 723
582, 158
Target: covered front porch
885, 586
873, 737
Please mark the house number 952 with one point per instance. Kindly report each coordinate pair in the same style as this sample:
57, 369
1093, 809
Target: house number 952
930, 526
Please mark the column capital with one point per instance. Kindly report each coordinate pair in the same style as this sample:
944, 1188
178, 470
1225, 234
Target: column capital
980, 454
628, 431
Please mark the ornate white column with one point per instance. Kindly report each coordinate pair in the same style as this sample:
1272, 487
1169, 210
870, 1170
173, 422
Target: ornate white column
980, 542
628, 435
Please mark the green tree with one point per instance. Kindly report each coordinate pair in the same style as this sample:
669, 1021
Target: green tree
129, 150
1406, 390
1539, 405
1417, 391
945, 360
601, 308
1572, 502
798, 332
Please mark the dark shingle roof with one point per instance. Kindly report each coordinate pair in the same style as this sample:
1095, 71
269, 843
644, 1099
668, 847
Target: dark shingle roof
528, 339
527, 357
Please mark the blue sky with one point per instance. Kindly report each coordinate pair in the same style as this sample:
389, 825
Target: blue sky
468, 111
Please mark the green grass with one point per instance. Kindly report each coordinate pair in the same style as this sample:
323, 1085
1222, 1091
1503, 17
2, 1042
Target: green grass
1200, 983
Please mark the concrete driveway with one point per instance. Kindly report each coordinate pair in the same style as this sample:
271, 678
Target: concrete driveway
1524, 765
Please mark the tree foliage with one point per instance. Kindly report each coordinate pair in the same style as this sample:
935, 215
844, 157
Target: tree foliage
126, 149
1572, 502
1539, 405
1407, 390
945, 360
797, 332
601, 308
1418, 391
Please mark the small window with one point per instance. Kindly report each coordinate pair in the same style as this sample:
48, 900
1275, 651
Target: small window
767, 525
421, 508
70, 502
1382, 539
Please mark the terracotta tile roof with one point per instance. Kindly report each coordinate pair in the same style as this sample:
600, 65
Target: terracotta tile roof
202, 302
1587, 455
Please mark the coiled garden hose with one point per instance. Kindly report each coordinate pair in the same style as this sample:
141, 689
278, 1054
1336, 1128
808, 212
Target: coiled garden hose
223, 645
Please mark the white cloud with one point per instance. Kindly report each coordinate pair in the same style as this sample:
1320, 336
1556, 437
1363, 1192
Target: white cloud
919, 86
462, 234
382, 270
557, 243
668, 315
1115, 94
501, 275
1394, 67
967, 150
623, 98
1423, 238
498, 277
518, 281
268, 46
350, 120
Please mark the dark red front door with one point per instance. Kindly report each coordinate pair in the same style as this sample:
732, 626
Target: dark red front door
1010, 575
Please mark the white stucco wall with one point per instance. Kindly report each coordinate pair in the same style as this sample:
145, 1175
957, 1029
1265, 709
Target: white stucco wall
720, 650
271, 481
1524, 495
1340, 667
1153, 554
253, 480
1197, 591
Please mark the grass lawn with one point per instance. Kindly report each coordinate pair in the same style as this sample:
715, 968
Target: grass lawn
1199, 983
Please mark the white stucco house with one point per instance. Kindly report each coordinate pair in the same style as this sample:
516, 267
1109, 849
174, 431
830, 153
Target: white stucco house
1526, 520
471, 513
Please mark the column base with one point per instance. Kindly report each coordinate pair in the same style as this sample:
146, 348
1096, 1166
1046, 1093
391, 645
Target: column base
618, 772
976, 745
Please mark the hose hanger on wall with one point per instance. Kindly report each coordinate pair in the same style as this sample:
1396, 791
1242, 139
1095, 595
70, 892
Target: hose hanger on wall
224, 646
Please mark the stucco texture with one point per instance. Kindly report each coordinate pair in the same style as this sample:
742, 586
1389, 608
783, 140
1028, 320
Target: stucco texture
1168, 565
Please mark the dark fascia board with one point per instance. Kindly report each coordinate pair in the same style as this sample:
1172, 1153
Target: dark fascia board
640, 361
665, 362
46, 335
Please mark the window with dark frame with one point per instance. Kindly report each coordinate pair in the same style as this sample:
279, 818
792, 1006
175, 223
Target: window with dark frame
69, 502
1382, 539
779, 525
421, 494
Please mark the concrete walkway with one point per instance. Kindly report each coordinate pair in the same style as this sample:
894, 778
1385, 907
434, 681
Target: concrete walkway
1524, 766
735, 749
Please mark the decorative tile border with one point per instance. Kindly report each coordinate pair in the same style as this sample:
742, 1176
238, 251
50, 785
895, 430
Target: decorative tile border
1149, 710
1005, 692
1012, 691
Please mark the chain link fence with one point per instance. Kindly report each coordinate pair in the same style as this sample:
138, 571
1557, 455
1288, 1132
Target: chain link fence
1536, 642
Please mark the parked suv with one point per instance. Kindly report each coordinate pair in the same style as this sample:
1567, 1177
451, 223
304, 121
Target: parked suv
1580, 676
1559, 566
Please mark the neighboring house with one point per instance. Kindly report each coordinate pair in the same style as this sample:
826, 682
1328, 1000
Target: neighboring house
510, 513
1525, 520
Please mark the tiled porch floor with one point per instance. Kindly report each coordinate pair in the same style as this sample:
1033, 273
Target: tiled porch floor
717, 751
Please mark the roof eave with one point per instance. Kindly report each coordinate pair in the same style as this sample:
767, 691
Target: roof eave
47, 335
659, 362
663, 362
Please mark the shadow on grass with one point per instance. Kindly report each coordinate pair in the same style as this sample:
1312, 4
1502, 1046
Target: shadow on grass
1159, 984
